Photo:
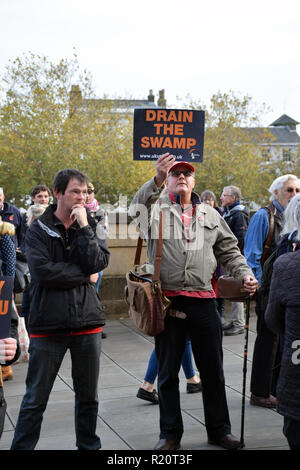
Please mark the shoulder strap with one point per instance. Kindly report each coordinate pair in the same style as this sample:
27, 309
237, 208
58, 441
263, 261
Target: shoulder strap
158, 255
138, 251
267, 247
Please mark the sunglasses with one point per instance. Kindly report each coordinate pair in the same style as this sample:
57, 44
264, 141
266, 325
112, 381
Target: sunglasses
185, 173
291, 190
90, 191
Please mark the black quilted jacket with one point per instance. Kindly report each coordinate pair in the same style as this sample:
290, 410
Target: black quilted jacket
283, 317
61, 296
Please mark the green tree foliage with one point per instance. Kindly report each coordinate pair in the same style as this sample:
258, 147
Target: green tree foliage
232, 155
34, 108
47, 123
42, 131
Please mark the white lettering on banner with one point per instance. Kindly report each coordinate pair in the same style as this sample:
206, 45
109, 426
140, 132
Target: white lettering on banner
296, 354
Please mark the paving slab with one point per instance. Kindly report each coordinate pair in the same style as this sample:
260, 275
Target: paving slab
126, 423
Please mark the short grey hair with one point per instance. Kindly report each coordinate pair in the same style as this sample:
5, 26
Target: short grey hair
278, 184
234, 191
292, 216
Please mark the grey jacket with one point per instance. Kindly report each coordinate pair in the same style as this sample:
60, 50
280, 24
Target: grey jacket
188, 261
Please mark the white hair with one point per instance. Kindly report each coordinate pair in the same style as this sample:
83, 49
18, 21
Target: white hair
292, 216
278, 184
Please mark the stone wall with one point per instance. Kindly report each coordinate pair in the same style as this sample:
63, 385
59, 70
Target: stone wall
122, 243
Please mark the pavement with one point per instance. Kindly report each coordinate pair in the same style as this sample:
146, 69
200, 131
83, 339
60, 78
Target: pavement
126, 423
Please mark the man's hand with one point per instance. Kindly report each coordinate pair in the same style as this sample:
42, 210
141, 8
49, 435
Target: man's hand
94, 278
8, 348
250, 284
163, 164
79, 213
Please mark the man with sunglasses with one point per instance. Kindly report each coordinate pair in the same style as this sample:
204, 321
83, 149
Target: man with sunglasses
195, 239
261, 240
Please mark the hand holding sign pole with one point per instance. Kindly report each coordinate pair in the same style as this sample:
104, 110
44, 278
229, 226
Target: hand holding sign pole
163, 165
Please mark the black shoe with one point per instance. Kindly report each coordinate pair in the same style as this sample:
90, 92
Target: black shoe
228, 442
193, 388
148, 396
167, 444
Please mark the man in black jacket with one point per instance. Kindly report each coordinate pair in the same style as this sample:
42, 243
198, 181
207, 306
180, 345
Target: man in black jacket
64, 256
237, 216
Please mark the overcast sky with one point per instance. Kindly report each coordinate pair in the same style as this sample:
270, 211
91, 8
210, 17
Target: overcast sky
191, 47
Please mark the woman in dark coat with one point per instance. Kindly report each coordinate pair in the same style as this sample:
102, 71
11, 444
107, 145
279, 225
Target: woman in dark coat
283, 317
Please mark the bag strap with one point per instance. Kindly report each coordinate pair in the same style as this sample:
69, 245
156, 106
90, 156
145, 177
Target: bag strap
138, 251
268, 243
158, 255
1, 380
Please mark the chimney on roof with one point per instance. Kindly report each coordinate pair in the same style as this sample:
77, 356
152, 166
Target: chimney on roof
151, 96
75, 95
162, 102
75, 99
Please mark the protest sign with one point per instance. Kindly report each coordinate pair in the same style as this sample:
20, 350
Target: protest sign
177, 131
6, 292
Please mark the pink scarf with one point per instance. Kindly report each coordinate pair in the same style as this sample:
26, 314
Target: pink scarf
92, 206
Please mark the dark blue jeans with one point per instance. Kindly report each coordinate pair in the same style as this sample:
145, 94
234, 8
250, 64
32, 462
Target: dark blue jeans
203, 327
46, 355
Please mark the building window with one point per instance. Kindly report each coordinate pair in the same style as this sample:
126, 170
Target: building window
266, 154
286, 155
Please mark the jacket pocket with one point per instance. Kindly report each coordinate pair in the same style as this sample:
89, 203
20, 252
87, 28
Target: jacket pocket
89, 309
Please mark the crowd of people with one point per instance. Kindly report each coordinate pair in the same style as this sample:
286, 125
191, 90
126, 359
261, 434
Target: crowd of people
66, 254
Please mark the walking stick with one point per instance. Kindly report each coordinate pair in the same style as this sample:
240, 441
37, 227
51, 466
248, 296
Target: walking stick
245, 370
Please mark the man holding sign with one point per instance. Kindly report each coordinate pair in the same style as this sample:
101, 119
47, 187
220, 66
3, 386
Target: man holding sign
195, 239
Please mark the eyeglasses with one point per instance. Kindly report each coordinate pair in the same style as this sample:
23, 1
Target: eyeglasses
90, 191
291, 190
185, 173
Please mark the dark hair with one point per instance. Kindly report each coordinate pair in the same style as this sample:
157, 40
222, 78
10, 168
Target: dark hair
63, 177
39, 188
207, 194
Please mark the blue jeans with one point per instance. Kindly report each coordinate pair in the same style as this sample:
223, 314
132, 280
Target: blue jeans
187, 364
46, 355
